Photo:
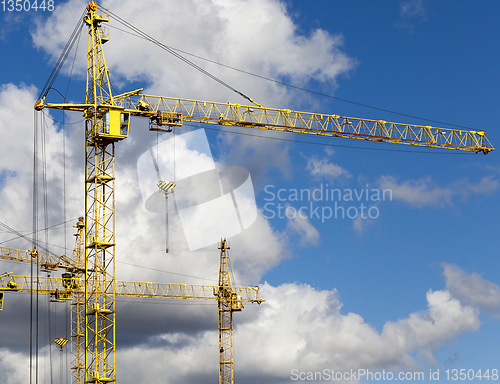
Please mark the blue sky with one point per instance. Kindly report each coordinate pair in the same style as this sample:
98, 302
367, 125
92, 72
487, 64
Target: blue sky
437, 238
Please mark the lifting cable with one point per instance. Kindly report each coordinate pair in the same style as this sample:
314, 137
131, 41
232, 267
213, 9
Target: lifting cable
34, 297
67, 309
75, 37
34, 240
46, 224
20, 235
64, 146
60, 62
44, 182
174, 53
181, 274
230, 270
34, 301
50, 339
158, 176
35, 234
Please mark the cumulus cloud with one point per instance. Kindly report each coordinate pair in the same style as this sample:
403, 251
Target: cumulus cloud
298, 327
258, 36
16, 159
13, 366
424, 192
305, 329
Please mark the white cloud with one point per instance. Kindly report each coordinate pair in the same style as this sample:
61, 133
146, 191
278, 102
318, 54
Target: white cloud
298, 327
257, 36
424, 192
303, 328
419, 193
260, 156
487, 185
471, 289
413, 9
329, 151
301, 225
359, 224
323, 168
16, 169
13, 367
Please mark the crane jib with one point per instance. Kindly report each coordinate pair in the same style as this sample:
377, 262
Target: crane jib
171, 112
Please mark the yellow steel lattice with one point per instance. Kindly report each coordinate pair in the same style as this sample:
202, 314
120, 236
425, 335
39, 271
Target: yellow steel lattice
310, 123
129, 289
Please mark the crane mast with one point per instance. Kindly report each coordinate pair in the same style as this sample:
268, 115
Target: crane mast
229, 302
99, 294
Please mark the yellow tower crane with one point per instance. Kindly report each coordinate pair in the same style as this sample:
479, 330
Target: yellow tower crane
107, 118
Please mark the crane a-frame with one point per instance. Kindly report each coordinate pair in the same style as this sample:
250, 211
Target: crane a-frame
107, 118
